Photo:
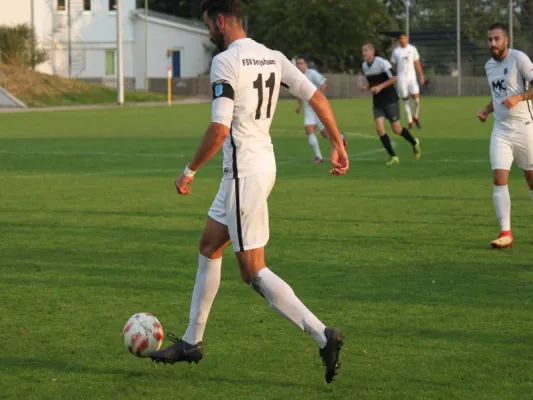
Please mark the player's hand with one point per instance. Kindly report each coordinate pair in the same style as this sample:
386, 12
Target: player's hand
422, 81
298, 110
339, 161
376, 89
483, 114
364, 88
182, 184
511, 101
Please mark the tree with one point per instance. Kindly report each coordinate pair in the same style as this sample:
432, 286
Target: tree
18, 46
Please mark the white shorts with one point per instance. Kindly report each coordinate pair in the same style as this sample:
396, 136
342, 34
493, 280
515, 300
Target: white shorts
310, 118
407, 87
508, 145
241, 205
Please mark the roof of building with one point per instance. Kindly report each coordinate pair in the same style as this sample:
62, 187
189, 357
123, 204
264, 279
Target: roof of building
172, 18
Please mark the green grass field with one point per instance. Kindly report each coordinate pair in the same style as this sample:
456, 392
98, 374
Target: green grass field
92, 231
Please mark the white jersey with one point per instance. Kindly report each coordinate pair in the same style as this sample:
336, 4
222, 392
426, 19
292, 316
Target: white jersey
315, 78
506, 78
404, 58
246, 80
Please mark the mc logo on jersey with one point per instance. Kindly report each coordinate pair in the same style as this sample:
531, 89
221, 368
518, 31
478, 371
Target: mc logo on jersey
499, 88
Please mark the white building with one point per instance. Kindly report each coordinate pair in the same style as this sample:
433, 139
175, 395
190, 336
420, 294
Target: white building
169, 41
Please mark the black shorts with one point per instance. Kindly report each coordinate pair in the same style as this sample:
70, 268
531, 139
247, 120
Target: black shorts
390, 111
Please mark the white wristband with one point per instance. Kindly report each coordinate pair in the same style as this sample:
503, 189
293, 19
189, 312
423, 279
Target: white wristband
188, 172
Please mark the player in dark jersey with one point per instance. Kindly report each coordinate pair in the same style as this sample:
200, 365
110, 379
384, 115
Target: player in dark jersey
380, 80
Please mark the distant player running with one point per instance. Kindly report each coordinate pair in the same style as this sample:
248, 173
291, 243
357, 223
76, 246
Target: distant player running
380, 79
510, 76
311, 121
246, 78
405, 59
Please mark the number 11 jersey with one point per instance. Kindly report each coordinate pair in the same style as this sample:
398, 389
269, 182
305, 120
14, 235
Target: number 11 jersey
246, 81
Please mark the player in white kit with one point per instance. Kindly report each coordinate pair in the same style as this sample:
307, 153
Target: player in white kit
406, 60
510, 76
311, 121
246, 78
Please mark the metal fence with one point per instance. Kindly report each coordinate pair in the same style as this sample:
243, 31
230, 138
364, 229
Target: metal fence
451, 34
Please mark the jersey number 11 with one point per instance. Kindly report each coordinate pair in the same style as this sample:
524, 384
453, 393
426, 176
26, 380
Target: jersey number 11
258, 84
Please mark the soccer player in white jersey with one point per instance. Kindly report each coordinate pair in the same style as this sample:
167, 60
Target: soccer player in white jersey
311, 121
246, 78
405, 60
510, 76
380, 79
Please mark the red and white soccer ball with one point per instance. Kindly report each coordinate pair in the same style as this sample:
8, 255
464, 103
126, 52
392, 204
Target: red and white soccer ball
142, 334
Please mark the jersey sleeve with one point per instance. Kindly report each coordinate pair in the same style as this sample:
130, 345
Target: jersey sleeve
318, 78
416, 56
294, 81
223, 83
525, 67
386, 67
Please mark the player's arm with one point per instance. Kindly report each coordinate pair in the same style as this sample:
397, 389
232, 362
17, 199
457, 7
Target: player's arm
301, 87
387, 68
483, 113
418, 66
223, 84
525, 69
363, 83
393, 62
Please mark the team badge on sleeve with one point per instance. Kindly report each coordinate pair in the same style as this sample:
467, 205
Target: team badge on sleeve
218, 89
223, 89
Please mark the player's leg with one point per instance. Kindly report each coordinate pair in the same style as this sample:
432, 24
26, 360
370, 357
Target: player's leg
393, 115
414, 90
379, 116
249, 232
215, 239
501, 158
403, 92
310, 119
523, 154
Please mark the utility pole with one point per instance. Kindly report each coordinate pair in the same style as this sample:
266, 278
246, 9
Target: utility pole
69, 40
146, 45
120, 60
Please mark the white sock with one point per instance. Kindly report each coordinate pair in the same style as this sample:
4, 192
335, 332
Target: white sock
407, 108
282, 299
502, 204
205, 290
313, 142
417, 107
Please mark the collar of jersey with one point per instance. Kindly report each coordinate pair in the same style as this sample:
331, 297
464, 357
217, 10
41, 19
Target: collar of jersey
238, 40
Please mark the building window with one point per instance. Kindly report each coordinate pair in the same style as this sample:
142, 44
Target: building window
110, 62
112, 5
61, 5
86, 5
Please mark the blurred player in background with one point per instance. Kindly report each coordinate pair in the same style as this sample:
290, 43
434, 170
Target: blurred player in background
405, 60
311, 121
246, 79
380, 80
510, 76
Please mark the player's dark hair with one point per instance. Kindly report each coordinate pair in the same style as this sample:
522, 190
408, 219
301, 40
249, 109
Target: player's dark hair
228, 8
402, 34
369, 44
498, 25
300, 57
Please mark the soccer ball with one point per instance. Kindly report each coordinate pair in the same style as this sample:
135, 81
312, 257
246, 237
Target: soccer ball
142, 334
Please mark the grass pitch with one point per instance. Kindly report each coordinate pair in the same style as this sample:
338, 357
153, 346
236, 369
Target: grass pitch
92, 231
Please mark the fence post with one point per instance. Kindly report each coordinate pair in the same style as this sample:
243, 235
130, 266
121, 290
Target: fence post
458, 30
407, 18
511, 35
